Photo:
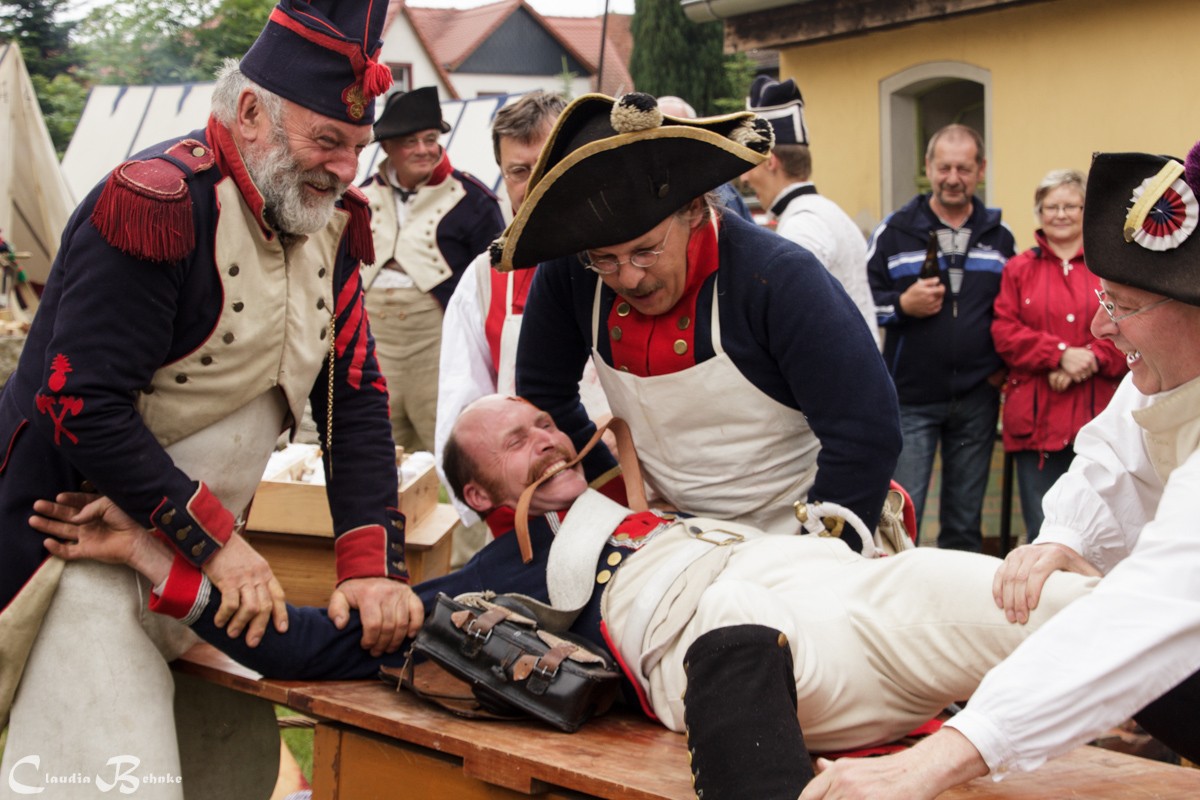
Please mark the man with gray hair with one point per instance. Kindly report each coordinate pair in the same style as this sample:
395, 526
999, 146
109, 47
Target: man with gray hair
203, 293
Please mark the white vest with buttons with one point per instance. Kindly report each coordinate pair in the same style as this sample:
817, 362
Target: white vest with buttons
273, 330
414, 245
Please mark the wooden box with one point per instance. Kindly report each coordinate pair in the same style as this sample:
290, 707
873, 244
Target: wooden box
286, 504
290, 525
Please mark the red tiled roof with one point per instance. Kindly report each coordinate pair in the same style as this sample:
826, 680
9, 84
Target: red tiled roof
583, 34
451, 35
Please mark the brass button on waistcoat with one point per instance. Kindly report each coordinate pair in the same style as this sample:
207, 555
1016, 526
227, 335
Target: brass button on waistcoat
616, 334
683, 322
320, 303
234, 270
206, 360
238, 306
680, 347
623, 310
181, 378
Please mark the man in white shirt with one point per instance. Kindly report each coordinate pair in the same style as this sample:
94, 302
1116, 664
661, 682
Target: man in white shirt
783, 187
1125, 509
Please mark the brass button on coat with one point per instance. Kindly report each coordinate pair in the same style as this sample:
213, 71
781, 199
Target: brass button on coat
604, 577
616, 334
680, 347
683, 322
623, 310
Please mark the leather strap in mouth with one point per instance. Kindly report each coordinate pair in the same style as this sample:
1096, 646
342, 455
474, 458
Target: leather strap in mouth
631, 471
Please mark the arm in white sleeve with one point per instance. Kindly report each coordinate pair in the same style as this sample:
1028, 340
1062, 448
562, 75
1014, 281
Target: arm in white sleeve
465, 370
1099, 507
1107, 655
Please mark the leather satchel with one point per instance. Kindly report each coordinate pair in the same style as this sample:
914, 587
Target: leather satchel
514, 668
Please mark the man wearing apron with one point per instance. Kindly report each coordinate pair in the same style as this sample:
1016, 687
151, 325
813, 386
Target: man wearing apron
202, 294
741, 366
428, 221
483, 317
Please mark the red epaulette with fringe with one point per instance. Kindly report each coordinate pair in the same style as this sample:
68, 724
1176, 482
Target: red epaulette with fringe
145, 208
359, 244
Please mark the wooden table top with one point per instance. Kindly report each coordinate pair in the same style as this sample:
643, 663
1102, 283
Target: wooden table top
622, 755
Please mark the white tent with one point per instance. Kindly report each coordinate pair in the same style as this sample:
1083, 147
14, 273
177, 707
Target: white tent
34, 199
119, 121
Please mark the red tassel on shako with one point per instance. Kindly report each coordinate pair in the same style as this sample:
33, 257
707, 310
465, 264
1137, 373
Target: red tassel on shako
359, 243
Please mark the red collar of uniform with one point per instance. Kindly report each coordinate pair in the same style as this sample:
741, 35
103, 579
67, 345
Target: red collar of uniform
229, 161
702, 259
502, 519
441, 171
665, 343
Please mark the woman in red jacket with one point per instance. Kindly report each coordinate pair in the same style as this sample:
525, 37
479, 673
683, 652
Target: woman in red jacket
1060, 376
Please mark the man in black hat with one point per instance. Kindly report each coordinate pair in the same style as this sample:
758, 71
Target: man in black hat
809, 219
428, 221
204, 292
741, 365
1126, 509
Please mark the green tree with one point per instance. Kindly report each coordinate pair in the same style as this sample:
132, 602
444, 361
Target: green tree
45, 41
36, 26
673, 55
160, 41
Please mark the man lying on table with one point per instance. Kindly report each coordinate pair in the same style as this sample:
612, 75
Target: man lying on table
769, 634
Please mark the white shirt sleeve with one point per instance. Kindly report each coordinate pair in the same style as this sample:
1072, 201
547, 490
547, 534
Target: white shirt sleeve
1099, 507
1109, 654
465, 370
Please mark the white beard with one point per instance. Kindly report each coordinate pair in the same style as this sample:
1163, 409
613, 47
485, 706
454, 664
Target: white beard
276, 174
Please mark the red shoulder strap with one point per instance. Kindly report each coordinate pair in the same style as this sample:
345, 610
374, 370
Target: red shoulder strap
145, 208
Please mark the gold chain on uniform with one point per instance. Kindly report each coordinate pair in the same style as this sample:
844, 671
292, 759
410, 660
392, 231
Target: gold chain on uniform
329, 400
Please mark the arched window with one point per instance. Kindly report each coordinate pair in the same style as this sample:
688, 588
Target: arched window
916, 102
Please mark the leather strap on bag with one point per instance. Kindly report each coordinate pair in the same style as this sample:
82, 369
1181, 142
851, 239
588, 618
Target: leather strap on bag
631, 472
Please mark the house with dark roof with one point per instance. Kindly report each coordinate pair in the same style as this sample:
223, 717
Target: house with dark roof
504, 48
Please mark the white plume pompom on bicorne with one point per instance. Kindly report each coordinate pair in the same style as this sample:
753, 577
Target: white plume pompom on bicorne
634, 112
755, 134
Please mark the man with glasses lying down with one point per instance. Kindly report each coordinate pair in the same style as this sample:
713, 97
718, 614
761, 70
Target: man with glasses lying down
779, 641
742, 367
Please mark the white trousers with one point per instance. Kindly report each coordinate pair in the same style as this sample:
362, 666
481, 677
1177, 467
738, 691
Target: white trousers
879, 645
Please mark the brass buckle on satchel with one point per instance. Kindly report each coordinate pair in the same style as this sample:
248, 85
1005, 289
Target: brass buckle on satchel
704, 535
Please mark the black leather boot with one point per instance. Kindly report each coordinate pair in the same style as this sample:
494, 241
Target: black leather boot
744, 740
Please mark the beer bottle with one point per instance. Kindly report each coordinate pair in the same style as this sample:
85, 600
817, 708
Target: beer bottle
929, 268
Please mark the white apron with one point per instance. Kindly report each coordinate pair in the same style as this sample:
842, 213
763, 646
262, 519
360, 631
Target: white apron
711, 443
590, 390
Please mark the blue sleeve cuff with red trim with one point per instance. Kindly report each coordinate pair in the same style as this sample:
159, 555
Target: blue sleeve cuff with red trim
373, 551
198, 529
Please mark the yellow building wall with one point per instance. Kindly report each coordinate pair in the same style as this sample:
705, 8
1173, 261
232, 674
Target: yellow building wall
1068, 78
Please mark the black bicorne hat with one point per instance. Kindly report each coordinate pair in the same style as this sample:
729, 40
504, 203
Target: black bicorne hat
409, 112
1139, 223
613, 169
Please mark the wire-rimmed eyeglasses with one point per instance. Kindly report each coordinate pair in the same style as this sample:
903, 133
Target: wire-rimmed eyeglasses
642, 259
1110, 307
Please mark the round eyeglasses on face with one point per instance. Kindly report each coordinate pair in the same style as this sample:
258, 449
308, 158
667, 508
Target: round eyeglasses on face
642, 259
1109, 307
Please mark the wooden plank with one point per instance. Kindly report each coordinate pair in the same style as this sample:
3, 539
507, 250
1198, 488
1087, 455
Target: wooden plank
508, 759
373, 767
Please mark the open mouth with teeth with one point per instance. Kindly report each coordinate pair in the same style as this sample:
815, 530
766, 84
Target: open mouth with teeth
549, 468
1133, 358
